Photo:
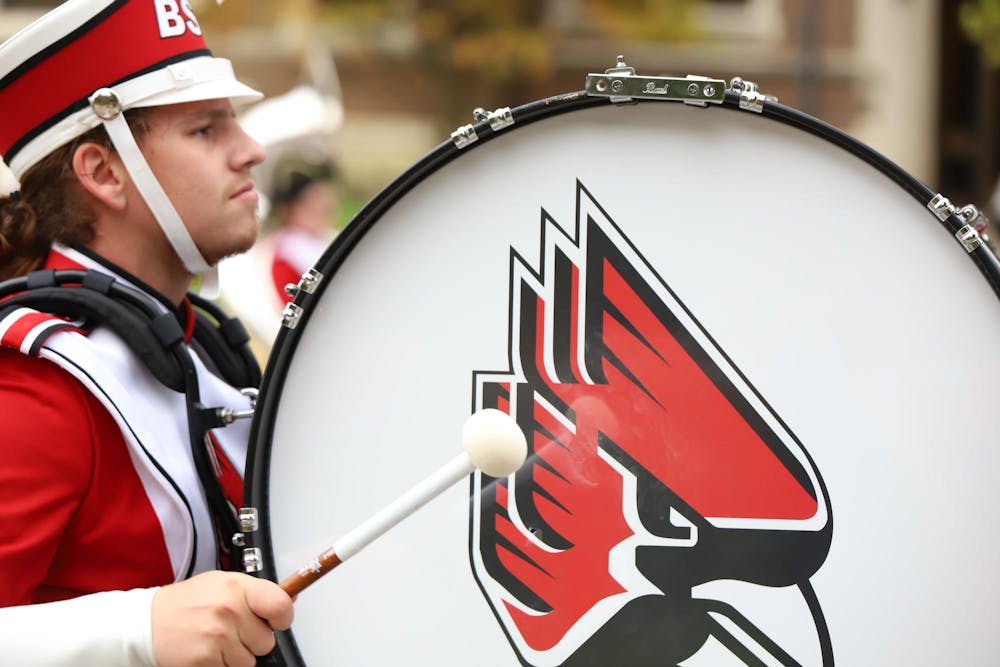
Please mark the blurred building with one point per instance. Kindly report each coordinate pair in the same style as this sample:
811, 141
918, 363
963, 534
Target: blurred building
897, 74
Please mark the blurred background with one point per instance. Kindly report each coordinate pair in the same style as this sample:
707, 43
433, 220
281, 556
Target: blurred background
390, 79
915, 79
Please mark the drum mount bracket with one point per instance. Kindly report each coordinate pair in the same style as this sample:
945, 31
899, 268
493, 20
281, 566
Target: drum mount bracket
621, 84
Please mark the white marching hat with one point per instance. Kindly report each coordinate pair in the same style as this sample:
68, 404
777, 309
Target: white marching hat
87, 61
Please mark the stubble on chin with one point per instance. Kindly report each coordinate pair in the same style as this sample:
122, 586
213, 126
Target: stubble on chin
236, 244
242, 247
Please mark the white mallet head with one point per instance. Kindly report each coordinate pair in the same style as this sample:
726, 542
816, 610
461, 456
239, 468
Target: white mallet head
494, 442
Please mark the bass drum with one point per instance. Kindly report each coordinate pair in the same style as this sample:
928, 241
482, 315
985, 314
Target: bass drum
753, 368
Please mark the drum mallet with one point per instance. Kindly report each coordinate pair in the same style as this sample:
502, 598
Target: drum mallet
492, 442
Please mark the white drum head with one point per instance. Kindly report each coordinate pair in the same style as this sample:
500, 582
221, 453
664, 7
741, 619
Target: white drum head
754, 372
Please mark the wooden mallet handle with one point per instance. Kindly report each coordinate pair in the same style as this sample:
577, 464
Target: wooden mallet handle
297, 581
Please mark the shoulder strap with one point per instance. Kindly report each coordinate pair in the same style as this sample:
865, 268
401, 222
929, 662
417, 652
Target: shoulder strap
227, 343
27, 330
148, 339
92, 297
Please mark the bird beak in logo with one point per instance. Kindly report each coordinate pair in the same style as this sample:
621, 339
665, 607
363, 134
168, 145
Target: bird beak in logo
661, 491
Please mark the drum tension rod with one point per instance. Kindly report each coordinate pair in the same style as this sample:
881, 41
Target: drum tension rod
750, 98
972, 234
498, 119
308, 283
249, 522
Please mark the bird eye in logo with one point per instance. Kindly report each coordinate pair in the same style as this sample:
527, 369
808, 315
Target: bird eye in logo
665, 510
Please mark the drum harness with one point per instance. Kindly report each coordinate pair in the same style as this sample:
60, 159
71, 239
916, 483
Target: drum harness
157, 338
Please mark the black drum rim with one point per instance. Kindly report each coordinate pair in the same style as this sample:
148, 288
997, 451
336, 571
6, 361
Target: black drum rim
262, 429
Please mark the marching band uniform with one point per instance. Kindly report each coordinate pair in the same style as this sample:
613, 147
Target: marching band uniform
118, 482
295, 252
97, 469
128, 476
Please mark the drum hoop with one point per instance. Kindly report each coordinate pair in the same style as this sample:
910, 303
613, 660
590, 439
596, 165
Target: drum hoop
257, 490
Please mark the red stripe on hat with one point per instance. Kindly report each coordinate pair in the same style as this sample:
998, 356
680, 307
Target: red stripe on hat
113, 47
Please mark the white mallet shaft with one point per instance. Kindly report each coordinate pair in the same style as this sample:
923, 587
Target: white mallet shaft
493, 442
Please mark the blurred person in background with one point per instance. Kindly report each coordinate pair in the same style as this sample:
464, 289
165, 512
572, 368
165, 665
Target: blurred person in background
299, 209
305, 204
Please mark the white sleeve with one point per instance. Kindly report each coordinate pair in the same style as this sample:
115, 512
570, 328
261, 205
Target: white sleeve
112, 629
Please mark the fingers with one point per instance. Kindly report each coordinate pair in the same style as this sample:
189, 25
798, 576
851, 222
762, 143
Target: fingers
268, 608
255, 638
236, 655
218, 619
270, 602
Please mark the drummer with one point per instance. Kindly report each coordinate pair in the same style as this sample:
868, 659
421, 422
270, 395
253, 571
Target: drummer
119, 125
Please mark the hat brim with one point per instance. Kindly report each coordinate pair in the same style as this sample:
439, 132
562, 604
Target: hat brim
238, 93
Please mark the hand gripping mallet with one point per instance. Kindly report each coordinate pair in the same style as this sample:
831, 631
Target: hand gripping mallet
493, 442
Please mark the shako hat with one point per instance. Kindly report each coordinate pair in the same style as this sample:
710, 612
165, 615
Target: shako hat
149, 52
87, 61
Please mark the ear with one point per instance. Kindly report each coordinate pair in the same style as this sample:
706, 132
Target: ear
101, 173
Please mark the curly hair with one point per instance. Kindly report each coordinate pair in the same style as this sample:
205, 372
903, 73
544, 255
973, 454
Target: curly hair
51, 206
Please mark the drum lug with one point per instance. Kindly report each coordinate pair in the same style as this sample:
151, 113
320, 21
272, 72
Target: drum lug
973, 217
750, 98
498, 118
973, 233
969, 238
249, 519
308, 283
249, 522
464, 136
291, 315
253, 560
941, 207
620, 84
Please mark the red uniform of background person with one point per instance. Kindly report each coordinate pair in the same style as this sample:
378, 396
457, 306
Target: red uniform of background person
300, 202
305, 206
134, 177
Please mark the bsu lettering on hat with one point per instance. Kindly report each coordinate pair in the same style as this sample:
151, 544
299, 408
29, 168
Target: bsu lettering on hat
171, 21
153, 54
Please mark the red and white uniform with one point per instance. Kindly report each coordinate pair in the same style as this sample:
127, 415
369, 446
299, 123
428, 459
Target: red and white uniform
98, 488
295, 252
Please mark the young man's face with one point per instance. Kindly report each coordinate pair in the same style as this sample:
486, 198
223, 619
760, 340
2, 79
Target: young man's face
202, 158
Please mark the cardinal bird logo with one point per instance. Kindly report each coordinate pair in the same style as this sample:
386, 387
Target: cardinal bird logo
662, 498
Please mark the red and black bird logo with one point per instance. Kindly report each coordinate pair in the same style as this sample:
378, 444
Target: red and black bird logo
662, 493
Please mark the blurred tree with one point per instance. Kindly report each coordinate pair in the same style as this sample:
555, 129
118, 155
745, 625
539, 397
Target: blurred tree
980, 20
506, 38
501, 44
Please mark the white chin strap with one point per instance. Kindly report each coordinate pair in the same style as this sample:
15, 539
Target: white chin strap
152, 192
